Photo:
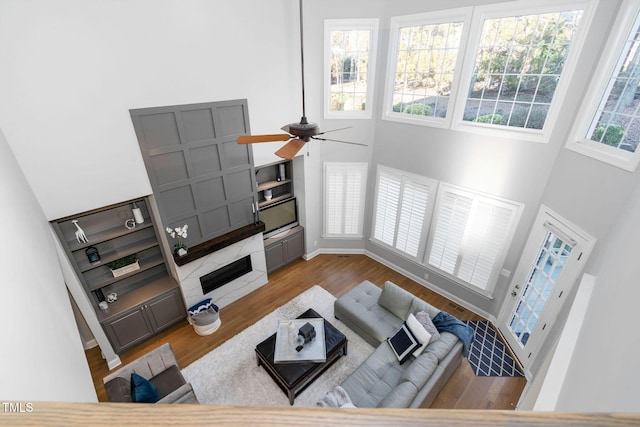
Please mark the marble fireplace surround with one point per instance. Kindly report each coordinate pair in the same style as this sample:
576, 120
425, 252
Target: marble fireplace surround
219, 252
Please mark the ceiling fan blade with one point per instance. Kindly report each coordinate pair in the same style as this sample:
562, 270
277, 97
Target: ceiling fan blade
338, 140
250, 139
290, 149
333, 130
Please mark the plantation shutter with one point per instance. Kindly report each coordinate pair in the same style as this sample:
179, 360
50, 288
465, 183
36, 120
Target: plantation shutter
412, 215
470, 234
334, 197
402, 210
345, 185
451, 221
485, 242
386, 211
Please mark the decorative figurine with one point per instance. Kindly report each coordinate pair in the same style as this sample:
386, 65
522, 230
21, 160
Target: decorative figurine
80, 236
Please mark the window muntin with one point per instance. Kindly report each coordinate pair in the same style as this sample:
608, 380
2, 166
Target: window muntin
608, 124
518, 64
422, 69
350, 47
402, 210
345, 186
425, 66
512, 78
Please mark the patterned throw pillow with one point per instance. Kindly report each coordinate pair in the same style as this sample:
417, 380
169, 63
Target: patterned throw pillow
426, 321
403, 343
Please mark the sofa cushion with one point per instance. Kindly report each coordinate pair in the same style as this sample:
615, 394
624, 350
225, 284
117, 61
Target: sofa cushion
142, 391
441, 347
418, 305
403, 343
396, 300
421, 370
167, 381
118, 390
374, 379
400, 397
359, 310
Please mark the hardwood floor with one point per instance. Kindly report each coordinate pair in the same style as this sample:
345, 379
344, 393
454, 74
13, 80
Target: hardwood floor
337, 274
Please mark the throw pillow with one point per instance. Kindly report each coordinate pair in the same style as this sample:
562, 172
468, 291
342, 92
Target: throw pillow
142, 391
426, 321
419, 332
336, 398
403, 343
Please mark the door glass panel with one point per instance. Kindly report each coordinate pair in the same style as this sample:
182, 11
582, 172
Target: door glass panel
544, 274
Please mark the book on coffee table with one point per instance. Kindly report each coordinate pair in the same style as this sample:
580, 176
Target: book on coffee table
287, 342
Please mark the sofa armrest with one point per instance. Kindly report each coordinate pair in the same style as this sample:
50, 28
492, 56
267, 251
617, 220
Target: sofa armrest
148, 366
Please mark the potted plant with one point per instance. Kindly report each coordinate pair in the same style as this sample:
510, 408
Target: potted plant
124, 265
179, 248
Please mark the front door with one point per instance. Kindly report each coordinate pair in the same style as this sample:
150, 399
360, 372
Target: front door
550, 266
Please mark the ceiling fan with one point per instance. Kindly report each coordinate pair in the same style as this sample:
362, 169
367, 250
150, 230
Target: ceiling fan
298, 134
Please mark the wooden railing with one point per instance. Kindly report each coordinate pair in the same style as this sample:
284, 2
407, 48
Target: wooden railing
120, 414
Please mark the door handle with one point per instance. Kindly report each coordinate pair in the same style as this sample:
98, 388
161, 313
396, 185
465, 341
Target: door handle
514, 293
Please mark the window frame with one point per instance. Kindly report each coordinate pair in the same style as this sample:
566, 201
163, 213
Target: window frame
344, 167
404, 177
477, 197
523, 7
468, 51
627, 17
371, 24
430, 18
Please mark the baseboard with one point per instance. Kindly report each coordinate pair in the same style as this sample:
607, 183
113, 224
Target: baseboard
394, 267
114, 363
90, 344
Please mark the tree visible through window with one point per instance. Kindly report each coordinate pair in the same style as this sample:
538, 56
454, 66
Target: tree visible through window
617, 120
518, 65
350, 46
426, 61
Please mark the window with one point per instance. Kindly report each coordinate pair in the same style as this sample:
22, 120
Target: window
350, 47
422, 72
344, 192
402, 210
509, 83
470, 235
608, 124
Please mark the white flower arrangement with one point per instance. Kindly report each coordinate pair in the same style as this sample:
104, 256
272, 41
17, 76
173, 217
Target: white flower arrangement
181, 233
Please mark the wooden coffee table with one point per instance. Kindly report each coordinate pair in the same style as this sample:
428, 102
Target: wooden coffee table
293, 378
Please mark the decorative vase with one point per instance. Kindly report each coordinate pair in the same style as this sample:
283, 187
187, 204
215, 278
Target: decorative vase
182, 251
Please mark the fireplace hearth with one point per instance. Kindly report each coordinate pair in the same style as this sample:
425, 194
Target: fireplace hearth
226, 274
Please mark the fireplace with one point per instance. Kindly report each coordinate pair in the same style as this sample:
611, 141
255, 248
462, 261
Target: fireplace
228, 261
226, 274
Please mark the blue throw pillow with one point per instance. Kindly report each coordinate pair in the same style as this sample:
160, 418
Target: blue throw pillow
142, 391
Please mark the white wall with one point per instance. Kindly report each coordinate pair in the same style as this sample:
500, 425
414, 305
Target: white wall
72, 69
602, 375
41, 355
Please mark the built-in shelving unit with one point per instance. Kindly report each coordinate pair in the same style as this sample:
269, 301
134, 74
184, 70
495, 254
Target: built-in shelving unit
148, 299
287, 246
269, 177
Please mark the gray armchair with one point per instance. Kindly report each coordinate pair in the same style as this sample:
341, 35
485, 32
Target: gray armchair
160, 367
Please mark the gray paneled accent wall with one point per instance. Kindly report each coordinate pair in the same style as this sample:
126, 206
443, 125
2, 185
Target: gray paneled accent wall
200, 176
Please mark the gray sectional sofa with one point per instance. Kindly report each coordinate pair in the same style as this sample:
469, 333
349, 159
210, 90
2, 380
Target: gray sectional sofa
381, 381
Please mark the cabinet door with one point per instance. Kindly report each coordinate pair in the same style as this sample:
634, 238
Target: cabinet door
274, 255
295, 246
165, 310
128, 329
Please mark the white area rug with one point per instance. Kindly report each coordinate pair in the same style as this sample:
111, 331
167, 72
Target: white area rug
230, 375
